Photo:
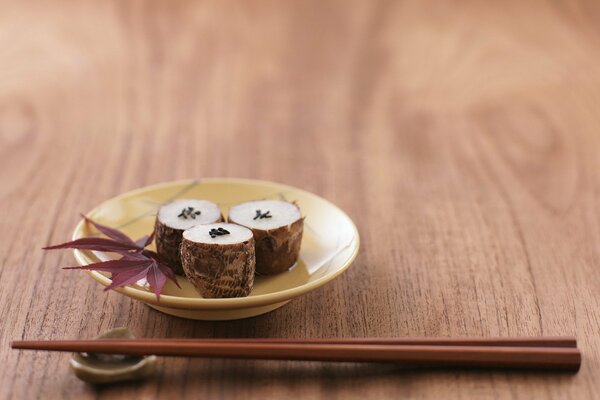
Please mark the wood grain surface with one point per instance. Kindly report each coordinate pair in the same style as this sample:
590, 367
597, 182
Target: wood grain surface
463, 139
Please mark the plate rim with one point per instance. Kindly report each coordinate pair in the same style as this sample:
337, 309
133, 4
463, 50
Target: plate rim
215, 304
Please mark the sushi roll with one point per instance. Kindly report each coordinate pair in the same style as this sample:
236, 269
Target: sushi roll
219, 259
174, 218
277, 227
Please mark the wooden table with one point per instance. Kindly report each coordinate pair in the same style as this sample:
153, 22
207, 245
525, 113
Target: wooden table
462, 139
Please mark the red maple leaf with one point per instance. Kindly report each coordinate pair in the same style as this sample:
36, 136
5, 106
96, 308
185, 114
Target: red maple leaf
135, 263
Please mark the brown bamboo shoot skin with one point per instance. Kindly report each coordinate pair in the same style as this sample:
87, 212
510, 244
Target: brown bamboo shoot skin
222, 264
174, 218
277, 227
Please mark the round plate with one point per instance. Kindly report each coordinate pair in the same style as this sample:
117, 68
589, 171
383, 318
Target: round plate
329, 245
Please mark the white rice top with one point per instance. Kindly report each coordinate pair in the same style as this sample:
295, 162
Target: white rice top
201, 234
169, 213
282, 213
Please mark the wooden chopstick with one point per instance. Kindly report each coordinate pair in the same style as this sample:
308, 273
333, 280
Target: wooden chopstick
533, 341
550, 358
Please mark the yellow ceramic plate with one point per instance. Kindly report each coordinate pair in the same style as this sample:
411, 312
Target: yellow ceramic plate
329, 245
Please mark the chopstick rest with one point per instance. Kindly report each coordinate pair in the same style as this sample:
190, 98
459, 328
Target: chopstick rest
99, 368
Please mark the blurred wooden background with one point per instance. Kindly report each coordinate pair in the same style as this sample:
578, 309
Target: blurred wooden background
463, 139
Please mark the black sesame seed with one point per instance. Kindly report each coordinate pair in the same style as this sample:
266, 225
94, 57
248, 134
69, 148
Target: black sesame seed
260, 215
